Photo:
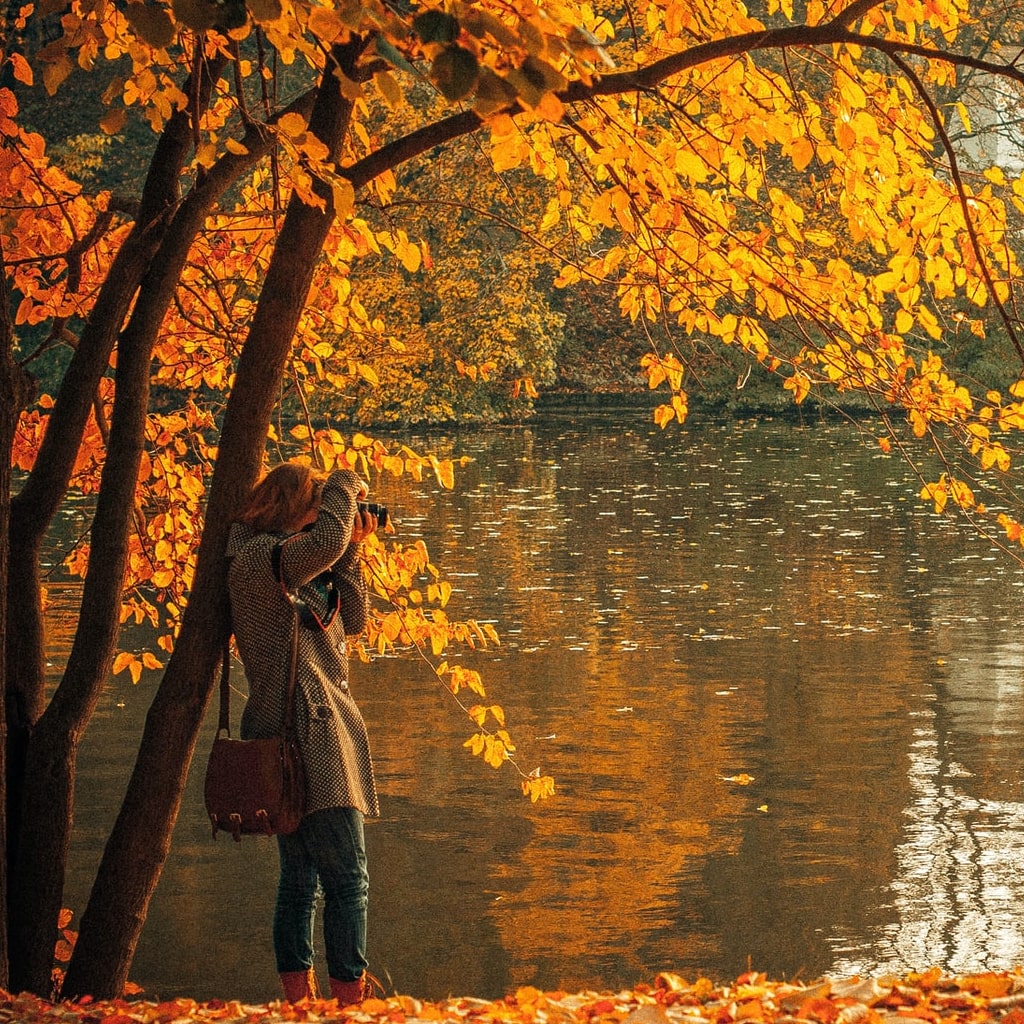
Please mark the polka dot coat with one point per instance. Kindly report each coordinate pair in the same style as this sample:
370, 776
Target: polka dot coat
330, 730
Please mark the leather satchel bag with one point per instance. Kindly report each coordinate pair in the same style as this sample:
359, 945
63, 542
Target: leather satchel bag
256, 787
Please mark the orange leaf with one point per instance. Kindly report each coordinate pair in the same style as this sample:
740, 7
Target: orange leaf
991, 986
819, 1009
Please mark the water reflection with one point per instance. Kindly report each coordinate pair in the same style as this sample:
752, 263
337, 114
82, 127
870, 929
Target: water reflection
677, 610
956, 891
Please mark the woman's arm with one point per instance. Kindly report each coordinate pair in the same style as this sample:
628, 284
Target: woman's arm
352, 590
309, 553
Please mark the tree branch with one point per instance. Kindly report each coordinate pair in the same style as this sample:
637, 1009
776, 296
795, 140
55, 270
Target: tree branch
422, 140
958, 182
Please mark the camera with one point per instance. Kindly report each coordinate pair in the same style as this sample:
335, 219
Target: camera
380, 511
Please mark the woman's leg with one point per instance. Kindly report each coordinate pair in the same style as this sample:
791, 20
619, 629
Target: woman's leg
335, 840
296, 902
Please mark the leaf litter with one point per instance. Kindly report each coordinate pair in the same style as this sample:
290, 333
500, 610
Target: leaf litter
925, 998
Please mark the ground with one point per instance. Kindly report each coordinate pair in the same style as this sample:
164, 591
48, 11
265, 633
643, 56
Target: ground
927, 998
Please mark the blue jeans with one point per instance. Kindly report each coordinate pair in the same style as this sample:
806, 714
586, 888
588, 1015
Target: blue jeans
327, 855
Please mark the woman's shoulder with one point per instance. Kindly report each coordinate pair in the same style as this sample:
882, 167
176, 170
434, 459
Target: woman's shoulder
246, 543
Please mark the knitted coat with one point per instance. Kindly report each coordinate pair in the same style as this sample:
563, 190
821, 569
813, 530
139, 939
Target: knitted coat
330, 730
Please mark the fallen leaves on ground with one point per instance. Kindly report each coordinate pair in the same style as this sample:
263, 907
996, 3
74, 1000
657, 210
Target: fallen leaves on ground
928, 998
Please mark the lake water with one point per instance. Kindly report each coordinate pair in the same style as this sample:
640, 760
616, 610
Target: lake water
679, 611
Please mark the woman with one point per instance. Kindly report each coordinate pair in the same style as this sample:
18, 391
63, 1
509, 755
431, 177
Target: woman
298, 538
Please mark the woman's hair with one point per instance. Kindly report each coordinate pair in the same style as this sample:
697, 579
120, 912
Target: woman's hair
283, 496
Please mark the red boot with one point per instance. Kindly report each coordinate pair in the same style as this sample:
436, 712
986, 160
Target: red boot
348, 993
300, 985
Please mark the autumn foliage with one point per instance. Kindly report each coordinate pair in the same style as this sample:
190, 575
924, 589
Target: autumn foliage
801, 191
929, 996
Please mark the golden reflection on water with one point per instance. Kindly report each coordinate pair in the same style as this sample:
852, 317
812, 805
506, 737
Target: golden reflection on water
677, 612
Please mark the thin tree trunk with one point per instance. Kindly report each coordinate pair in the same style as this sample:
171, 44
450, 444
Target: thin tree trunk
15, 389
38, 880
32, 510
140, 841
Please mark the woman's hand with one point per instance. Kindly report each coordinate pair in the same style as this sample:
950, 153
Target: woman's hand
363, 525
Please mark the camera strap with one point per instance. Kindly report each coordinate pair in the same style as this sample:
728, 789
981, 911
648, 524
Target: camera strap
323, 584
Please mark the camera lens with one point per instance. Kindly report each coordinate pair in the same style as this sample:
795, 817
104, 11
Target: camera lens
380, 511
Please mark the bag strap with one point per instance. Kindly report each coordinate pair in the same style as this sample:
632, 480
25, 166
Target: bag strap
224, 719
288, 724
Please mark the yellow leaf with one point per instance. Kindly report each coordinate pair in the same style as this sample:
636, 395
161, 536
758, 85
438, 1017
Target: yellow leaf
851, 91
538, 787
344, 197
965, 117
206, 154
327, 25
799, 384
122, 661
802, 153
368, 374
663, 415
937, 494
292, 125
438, 641
680, 406
743, 779
476, 743
388, 87
129, 661
495, 753
411, 257
444, 471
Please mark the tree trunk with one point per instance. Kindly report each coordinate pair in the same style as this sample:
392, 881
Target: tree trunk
48, 786
38, 880
140, 841
15, 389
32, 511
